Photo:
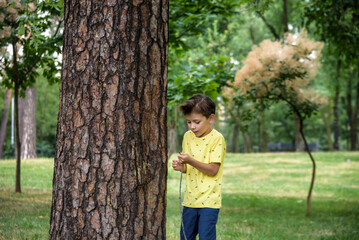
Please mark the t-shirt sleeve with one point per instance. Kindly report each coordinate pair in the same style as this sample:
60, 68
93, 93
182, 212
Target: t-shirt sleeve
218, 150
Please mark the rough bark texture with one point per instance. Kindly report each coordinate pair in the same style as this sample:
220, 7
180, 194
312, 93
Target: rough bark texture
27, 124
5, 117
111, 152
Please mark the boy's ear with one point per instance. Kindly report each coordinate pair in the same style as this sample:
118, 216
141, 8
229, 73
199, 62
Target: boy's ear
211, 118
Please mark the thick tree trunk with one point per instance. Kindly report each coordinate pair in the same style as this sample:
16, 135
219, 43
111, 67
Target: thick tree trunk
111, 153
335, 107
5, 116
27, 124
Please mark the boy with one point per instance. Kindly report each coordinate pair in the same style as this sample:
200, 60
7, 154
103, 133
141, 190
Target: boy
202, 161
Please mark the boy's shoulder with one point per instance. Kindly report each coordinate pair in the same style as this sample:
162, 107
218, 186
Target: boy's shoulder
213, 134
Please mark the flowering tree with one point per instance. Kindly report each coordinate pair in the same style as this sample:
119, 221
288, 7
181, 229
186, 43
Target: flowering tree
26, 43
282, 71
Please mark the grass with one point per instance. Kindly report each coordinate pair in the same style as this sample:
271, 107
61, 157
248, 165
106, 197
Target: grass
264, 197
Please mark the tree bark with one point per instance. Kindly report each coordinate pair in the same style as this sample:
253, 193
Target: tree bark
335, 107
111, 152
5, 116
27, 124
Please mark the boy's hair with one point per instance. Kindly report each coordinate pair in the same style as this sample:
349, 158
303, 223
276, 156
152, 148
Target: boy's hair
199, 103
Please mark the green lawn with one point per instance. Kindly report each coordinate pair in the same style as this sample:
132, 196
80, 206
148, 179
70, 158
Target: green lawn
264, 197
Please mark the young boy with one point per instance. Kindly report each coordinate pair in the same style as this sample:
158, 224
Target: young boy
202, 160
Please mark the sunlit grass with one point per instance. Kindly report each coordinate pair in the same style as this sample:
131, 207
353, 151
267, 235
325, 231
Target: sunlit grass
264, 197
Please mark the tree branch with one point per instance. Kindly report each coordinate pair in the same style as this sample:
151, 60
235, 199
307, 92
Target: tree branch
271, 28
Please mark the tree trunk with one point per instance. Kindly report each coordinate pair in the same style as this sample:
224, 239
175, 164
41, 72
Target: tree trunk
326, 119
172, 137
235, 138
5, 116
354, 120
335, 107
264, 133
247, 142
27, 124
111, 152
285, 16
299, 145
17, 84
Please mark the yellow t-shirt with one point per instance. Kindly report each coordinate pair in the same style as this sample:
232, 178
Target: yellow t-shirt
203, 190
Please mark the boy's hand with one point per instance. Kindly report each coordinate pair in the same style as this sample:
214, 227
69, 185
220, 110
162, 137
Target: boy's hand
184, 158
176, 165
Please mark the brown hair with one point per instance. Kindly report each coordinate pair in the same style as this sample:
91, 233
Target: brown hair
199, 103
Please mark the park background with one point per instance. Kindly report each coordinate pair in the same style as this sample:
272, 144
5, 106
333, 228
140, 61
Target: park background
209, 42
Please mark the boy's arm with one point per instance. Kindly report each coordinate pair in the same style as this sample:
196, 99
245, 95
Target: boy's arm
210, 169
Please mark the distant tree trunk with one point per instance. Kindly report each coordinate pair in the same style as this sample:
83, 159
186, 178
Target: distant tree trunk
299, 145
285, 16
5, 116
327, 119
111, 152
17, 85
264, 133
335, 106
235, 138
355, 119
352, 112
173, 132
235, 115
247, 142
27, 124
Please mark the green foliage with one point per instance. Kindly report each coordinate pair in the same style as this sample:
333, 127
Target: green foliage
192, 17
29, 26
337, 23
203, 69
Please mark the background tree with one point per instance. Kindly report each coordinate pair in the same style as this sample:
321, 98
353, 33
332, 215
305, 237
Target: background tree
23, 29
337, 23
276, 71
5, 116
111, 151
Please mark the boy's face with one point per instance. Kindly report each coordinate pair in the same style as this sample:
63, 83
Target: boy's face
199, 124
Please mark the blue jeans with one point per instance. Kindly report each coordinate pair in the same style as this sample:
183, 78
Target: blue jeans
200, 221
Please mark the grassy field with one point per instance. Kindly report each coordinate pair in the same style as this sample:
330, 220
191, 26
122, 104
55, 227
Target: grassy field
264, 197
